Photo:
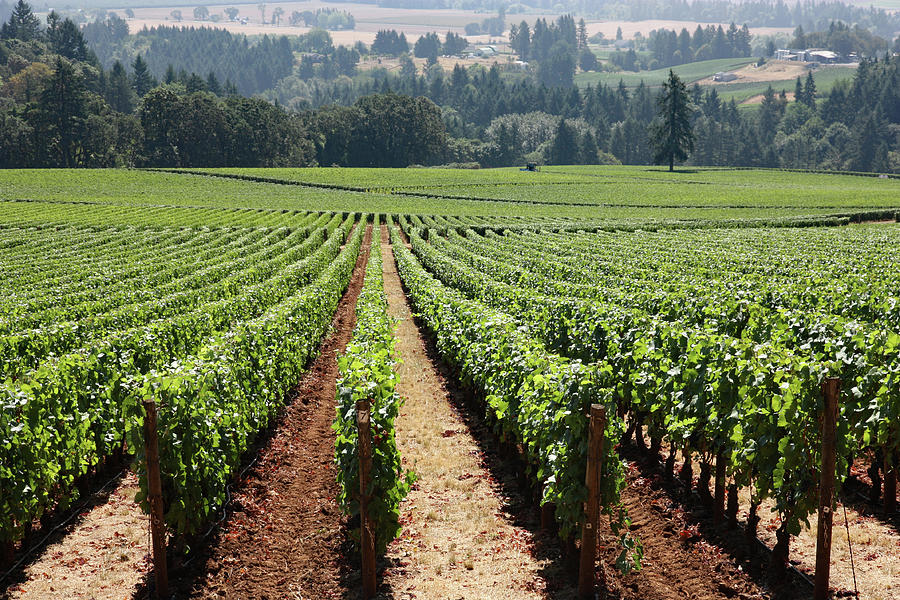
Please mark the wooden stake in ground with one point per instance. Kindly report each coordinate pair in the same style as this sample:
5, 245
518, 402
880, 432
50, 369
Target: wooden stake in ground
719, 512
592, 508
367, 536
831, 391
548, 512
890, 482
154, 485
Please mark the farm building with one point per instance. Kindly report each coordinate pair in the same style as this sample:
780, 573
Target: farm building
486, 51
785, 54
809, 55
822, 56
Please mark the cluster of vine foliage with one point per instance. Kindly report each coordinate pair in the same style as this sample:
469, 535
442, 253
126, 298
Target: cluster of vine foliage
367, 373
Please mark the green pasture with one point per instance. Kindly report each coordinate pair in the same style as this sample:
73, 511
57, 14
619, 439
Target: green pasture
690, 73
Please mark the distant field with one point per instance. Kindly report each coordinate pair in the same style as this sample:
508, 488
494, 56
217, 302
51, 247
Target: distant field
369, 17
825, 79
607, 194
609, 188
689, 73
756, 83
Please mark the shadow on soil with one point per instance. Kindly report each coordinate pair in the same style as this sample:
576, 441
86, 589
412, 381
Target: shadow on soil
753, 557
95, 490
856, 494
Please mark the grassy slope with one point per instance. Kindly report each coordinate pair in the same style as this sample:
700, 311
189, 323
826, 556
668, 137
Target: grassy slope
825, 79
690, 73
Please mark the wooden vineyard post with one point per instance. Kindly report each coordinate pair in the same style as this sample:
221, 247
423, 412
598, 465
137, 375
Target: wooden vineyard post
367, 535
831, 391
719, 510
154, 485
890, 482
592, 507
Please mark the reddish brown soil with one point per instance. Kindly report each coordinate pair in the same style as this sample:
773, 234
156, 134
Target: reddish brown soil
284, 536
685, 556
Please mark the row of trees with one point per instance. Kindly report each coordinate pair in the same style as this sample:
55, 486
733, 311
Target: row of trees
813, 15
619, 118
324, 18
390, 43
68, 125
670, 48
557, 48
429, 46
841, 38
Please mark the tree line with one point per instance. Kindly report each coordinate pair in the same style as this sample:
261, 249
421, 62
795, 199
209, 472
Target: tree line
497, 121
557, 48
60, 107
429, 46
670, 48
843, 39
324, 18
813, 15
252, 67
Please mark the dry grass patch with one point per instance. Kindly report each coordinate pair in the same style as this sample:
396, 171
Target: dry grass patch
457, 541
104, 557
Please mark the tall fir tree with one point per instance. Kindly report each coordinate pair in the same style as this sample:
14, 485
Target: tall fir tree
809, 91
672, 134
67, 40
63, 108
141, 79
119, 94
22, 25
564, 150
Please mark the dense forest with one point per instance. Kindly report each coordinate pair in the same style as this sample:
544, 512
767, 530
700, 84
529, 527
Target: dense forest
252, 68
494, 121
61, 106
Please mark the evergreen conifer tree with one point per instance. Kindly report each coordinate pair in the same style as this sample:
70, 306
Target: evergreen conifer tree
672, 134
22, 25
141, 80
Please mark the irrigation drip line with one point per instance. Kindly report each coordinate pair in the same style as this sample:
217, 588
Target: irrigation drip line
850, 545
40, 544
224, 510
